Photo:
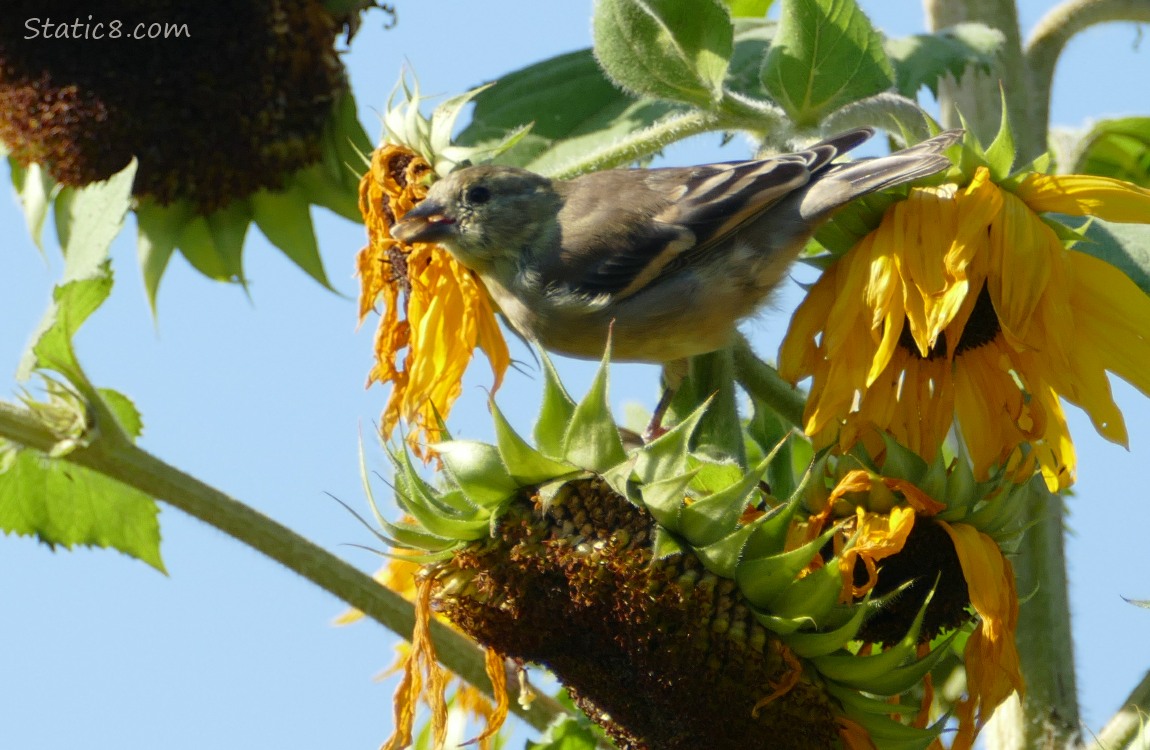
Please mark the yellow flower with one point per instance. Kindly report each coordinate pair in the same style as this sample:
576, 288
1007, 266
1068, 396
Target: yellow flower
446, 311
964, 305
993, 670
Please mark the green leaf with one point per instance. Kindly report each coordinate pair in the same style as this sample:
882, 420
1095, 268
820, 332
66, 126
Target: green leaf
925, 59
748, 8
65, 505
37, 190
665, 48
722, 557
901, 679
1117, 148
72, 303
433, 510
708, 520
859, 671
89, 218
568, 733
902, 462
124, 410
811, 597
752, 42
761, 580
667, 455
591, 440
1124, 246
714, 475
825, 54
284, 217
810, 645
665, 544
664, 499
571, 106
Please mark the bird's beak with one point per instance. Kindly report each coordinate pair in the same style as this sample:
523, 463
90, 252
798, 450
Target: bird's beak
427, 222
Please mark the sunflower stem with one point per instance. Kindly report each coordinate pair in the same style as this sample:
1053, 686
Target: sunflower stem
1054, 30
713, 376
1129, 722
765, 385
643, 143
977, 94
1048, 715
123, 461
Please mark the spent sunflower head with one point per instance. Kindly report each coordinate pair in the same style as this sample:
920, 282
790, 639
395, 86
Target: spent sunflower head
215, 101
965, 307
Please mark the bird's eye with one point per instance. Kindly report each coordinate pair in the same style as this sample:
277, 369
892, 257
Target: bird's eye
478, 194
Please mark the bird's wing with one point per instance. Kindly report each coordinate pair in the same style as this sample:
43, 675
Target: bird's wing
622, 233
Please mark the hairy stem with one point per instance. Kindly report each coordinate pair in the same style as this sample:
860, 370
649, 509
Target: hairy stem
765, 385
1048, 715
1054, 30
121, 460
642, 143
978, 96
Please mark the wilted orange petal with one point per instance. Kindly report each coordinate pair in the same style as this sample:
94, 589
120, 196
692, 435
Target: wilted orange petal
446, 313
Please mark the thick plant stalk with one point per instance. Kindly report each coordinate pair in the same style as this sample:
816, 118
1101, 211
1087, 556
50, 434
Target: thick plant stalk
1050, 36
977, 95
1048, 716
1050, 707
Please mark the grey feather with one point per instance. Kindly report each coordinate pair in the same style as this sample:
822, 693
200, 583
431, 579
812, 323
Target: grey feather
675, 257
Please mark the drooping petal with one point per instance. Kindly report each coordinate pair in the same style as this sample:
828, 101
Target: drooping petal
1114, 315
876, 537
801, 346
1020, 250
435, 312
1086, 195
993, 668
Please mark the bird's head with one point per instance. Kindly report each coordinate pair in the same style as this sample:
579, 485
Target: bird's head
482, 213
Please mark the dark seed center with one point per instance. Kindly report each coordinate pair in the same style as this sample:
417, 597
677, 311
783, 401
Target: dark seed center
980, 329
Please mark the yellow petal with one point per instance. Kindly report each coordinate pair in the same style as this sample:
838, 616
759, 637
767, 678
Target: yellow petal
1022, 249
892, 327
800, 347
1114, 315
992, 664
1086, 195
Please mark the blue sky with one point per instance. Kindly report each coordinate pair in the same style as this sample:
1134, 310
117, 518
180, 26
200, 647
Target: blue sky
263, 397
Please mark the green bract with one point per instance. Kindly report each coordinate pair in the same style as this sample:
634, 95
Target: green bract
698, 503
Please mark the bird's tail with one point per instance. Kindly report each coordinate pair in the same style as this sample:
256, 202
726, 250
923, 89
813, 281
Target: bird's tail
840, 184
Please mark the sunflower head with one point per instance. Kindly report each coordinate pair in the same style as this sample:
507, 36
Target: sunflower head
970, 307
214, 105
